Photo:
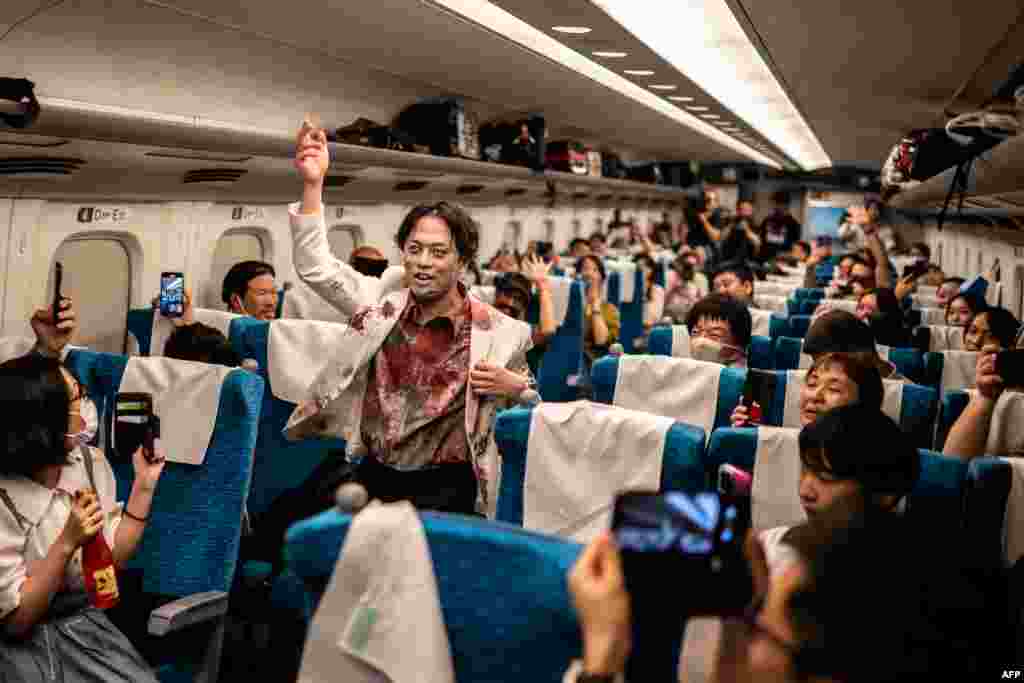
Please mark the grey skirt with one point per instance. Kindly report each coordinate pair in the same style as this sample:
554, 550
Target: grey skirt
76, 643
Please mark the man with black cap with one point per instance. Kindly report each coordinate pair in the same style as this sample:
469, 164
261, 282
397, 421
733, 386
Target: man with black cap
842, 332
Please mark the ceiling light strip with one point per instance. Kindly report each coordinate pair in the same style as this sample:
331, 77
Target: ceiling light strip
709, 46
503, 23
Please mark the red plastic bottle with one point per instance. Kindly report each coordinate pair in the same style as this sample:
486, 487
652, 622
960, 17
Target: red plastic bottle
99, 573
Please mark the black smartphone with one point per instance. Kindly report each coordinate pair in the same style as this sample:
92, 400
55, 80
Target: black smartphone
759, 387
134, 424
172, 294
1010, 367
677, 539
544, 250
58, 283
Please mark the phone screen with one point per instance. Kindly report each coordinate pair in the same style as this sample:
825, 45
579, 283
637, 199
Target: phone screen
133, 423
1010, 367
172, 295
682, 553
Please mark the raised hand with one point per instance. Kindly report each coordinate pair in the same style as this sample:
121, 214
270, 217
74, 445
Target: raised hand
312, 158
54, 338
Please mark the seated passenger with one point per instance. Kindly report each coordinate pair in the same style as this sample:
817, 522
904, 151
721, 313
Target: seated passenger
862, 277
686, 285
961, 309
800, 252
201, 343
948, 289
59, 494
991, 327
833, 380
601, 321
735, 280
513, 293
400, 390
368, 261
841, 332
579, 247
933, 277
249, 289
880, 308
654, 294
815, 619
919, 251
719, 328
598, 245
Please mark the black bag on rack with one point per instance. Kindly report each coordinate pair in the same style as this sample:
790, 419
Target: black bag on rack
444, 126
367, 133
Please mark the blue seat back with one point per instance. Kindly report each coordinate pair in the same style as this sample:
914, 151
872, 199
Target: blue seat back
809, 293
564, 351
632, 315
787, 353
605, 374
280, 464
989, 483
503, 592
936, 501
778, 326
798, 325
681, 467
192, 540
140, 326
953, 404
802, 306
660, 341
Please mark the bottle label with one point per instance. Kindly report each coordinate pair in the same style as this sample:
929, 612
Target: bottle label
106, 582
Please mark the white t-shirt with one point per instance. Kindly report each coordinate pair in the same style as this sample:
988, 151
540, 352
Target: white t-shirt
45, 512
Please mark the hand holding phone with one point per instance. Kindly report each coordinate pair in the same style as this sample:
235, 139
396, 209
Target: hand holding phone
135, 425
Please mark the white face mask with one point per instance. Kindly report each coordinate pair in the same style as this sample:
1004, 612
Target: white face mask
711, 351
91, 417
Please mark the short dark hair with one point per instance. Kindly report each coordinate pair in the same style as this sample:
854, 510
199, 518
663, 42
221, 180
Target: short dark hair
1003, 325
723, 307
888, 304
578, 240
201, 343
925, 250
958, 281
862, 368
463, 228
806, 246
238, 278
34, 406
598, 235
597, 262
975, 304
645, 258
743, 273
514, 284
873, 584
845, 443
838, 332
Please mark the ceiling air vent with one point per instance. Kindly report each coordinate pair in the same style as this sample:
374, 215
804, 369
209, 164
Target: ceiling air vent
411, 185
515, 192
337, 180
199, 156
580, 195
213, 176
469, 189
22, 140
38, 168
626, 198
604, 197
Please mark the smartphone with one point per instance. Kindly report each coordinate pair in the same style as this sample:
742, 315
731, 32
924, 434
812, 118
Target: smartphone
733, 481
544, 250
172, 294
1010, 367
58, 283
134, 425
759, 388
674, 539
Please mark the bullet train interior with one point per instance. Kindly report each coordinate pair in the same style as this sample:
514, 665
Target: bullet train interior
165, 139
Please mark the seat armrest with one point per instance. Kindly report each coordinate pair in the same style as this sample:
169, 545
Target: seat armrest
188, 611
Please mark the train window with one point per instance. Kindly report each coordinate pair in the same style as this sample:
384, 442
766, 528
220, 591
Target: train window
344, 239
98, 276
232, 247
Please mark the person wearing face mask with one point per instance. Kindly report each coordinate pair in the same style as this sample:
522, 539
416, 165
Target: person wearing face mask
740, 241
58, 493
992, 327
249, 289
719, 329
686, 285
961, 309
